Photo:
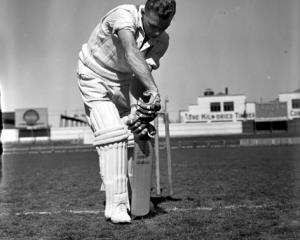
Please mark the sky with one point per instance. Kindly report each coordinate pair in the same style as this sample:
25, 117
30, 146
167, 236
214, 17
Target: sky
249, 46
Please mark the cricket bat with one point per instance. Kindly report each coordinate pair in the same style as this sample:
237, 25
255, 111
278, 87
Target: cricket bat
140, 181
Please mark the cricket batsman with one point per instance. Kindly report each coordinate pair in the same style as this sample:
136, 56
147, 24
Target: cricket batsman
119, 93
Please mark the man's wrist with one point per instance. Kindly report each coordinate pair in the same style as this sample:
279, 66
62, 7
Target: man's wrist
133, 108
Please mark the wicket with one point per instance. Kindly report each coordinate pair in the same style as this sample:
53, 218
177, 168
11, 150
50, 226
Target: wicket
165, 116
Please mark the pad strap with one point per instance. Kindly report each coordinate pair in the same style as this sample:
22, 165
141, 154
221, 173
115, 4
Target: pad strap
131, 141
110, 135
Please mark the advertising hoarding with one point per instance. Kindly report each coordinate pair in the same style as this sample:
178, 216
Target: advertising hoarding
31, 118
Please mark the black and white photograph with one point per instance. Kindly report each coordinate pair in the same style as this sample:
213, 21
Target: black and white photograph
149, 119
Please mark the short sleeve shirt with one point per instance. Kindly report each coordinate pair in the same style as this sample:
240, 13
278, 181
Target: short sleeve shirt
105, 46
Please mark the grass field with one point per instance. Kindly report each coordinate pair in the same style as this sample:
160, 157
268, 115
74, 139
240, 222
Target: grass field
219, 193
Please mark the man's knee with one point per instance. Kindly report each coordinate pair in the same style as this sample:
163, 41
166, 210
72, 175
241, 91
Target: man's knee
111, 135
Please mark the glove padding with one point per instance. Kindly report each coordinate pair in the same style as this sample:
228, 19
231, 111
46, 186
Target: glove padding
143, 130
148, 106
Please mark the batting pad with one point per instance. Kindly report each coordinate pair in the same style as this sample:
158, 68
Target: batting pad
111, 143
110, 135
114, 170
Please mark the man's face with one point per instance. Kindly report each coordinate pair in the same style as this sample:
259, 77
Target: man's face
154, 25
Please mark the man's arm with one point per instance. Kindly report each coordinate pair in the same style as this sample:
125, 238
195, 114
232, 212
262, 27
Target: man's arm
136, 61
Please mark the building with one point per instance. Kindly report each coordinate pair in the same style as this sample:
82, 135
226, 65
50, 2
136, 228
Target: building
293, 110
279, 115
293, 104
221, 107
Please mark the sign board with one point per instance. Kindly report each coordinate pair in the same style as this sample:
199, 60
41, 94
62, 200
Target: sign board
295, 113
31, 118
271, 111
188, 117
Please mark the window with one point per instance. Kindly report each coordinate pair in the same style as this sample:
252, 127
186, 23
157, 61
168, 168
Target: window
228, 106
215, 107
295, 103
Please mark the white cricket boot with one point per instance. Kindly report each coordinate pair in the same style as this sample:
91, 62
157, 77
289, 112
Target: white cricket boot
119, 209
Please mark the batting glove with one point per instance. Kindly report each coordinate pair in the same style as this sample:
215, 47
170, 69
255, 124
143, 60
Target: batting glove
143, 130
148, 106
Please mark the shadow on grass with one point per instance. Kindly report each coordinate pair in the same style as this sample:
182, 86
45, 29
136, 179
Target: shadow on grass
157, 200
155, 208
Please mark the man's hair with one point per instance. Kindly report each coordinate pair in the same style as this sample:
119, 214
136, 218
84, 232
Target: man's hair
165, 9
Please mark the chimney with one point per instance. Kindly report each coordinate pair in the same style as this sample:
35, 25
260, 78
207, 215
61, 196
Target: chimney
226, 91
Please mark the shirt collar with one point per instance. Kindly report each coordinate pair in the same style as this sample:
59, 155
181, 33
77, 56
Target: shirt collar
141, 9
150, 41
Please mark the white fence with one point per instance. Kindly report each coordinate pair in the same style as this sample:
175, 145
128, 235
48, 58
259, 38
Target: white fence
85, 133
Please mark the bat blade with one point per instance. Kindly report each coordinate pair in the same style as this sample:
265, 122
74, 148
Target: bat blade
141, 178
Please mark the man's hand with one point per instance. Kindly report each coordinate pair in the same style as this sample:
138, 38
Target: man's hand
143, 130
148, 106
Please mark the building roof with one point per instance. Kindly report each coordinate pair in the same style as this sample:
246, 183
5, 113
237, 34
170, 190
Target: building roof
223, 95
296, 91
